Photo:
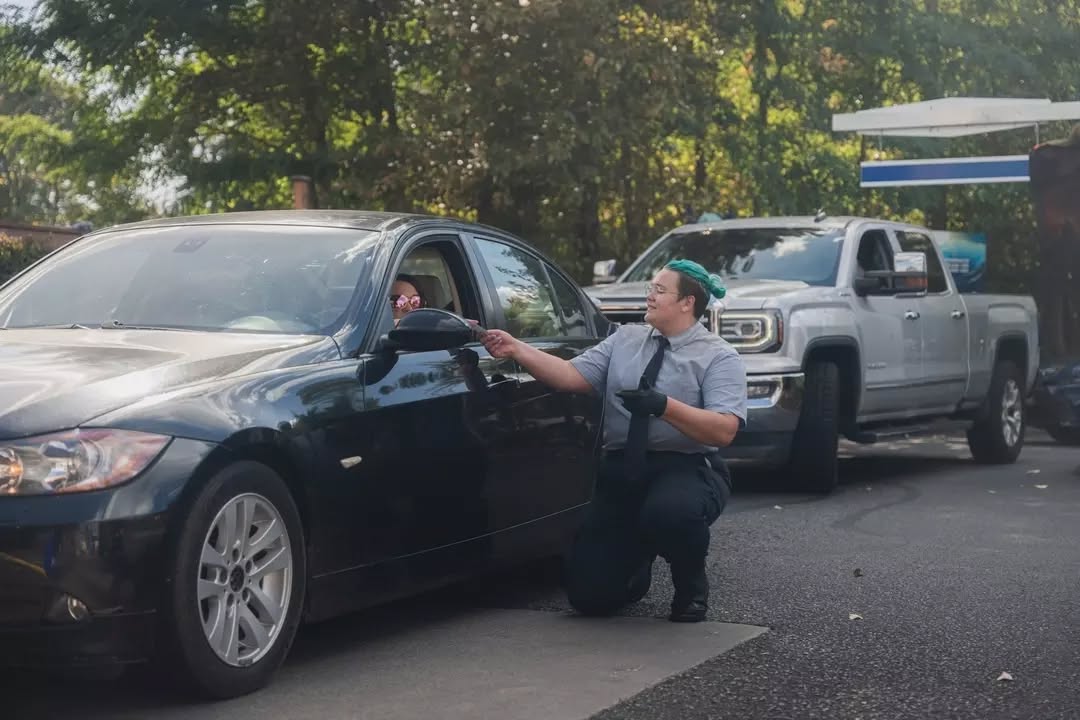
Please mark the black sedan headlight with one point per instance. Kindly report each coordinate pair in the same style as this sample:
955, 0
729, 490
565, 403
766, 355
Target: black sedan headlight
75, 460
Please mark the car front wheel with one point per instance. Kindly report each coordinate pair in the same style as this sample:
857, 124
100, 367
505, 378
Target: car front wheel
238, 583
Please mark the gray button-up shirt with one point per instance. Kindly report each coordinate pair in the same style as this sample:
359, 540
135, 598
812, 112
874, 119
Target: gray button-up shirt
700, 369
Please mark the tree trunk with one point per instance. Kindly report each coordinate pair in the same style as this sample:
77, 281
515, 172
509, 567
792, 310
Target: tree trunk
587, 227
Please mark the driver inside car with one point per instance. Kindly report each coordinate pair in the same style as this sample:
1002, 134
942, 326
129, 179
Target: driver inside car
405, 296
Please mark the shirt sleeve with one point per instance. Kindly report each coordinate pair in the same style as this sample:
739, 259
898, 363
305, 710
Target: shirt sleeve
724, 388
593, 363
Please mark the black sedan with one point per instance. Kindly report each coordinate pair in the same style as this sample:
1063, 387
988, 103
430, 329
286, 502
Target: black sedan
213, 429
1056, 401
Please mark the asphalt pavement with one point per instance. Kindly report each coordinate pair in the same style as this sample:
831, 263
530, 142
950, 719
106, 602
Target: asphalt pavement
905, 594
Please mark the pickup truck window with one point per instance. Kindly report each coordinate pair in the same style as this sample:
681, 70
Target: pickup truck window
810, 255
917, 242
874, 252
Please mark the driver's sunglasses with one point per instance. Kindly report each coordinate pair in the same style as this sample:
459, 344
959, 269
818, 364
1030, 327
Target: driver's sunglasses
400, 302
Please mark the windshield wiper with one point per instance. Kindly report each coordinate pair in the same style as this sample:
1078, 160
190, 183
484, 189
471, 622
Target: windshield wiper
57, 326
117, 325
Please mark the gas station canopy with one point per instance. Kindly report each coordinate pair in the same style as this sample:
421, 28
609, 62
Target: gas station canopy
955, 117
950, 118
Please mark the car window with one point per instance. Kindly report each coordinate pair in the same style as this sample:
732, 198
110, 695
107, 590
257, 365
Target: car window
875, 253
250, 278
917, 242
427, 266
809, 255
521, 284
572, 311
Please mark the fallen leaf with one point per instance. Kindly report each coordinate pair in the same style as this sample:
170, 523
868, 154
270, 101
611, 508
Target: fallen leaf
1036, 471
854, 616
1005, 676
1042, 487
858, 572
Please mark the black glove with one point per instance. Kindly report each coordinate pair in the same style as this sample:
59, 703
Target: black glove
643, 402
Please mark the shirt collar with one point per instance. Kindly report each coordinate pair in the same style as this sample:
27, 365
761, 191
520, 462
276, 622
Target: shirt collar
687, 336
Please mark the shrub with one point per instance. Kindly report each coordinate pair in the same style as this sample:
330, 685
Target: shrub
15, 254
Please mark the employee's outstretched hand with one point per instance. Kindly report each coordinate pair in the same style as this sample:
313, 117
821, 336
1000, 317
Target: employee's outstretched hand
643, 402
499, 344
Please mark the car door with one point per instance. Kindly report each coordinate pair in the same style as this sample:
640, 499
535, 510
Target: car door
890, 334
552, 468
419, 457
944, 331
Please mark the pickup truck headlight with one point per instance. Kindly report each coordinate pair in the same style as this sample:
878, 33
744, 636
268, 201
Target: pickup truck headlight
75, 460
753, 332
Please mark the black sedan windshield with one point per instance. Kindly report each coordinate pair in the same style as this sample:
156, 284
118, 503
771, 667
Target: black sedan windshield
203, 277
810, 255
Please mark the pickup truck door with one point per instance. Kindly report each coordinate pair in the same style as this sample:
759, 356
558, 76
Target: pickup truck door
944, 331
890, 335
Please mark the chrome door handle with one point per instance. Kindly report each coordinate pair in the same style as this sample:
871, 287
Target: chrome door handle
911, 315
957, 314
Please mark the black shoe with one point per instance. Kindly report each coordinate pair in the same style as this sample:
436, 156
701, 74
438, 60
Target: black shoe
691, 602
640, 582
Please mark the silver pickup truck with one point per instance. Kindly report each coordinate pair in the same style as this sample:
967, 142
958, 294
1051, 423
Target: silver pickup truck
849, 327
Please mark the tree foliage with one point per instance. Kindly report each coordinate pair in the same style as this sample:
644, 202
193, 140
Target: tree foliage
587, 126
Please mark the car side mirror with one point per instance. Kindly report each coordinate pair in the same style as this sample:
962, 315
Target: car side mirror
429, 329
603, 272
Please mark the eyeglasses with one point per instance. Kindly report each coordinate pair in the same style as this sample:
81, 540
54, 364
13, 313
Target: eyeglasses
400, 302
653, 289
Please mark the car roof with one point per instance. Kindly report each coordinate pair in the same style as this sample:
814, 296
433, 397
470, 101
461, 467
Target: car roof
792, 221
355, 219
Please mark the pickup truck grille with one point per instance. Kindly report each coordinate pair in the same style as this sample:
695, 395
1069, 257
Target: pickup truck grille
624, 315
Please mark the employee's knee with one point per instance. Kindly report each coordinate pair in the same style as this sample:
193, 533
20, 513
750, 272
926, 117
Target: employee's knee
593, 598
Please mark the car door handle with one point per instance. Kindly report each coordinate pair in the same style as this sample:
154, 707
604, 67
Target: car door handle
956, 314
911, 315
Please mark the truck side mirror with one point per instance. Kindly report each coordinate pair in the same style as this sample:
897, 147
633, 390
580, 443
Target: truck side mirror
910, 274
603, 272
908, 277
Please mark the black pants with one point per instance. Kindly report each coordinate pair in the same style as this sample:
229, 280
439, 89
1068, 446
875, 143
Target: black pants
666, 512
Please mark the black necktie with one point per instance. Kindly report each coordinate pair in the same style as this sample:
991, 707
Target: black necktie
637, 439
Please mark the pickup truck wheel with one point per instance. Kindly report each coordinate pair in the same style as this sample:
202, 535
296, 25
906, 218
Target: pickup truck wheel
997, 436
813, 465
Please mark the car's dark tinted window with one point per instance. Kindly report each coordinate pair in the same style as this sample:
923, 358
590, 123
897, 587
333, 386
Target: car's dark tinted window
221, 277
523, 291
573, 312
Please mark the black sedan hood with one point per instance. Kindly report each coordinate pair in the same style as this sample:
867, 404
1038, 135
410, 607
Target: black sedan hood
58, 379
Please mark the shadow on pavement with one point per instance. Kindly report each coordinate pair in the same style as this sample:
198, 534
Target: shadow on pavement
135, 691
859, 469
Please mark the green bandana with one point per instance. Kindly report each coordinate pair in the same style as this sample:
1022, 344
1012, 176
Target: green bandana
713, 284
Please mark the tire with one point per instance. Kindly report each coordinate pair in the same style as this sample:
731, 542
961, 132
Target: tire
211, 670
997, 436
1065, 436
813, 465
